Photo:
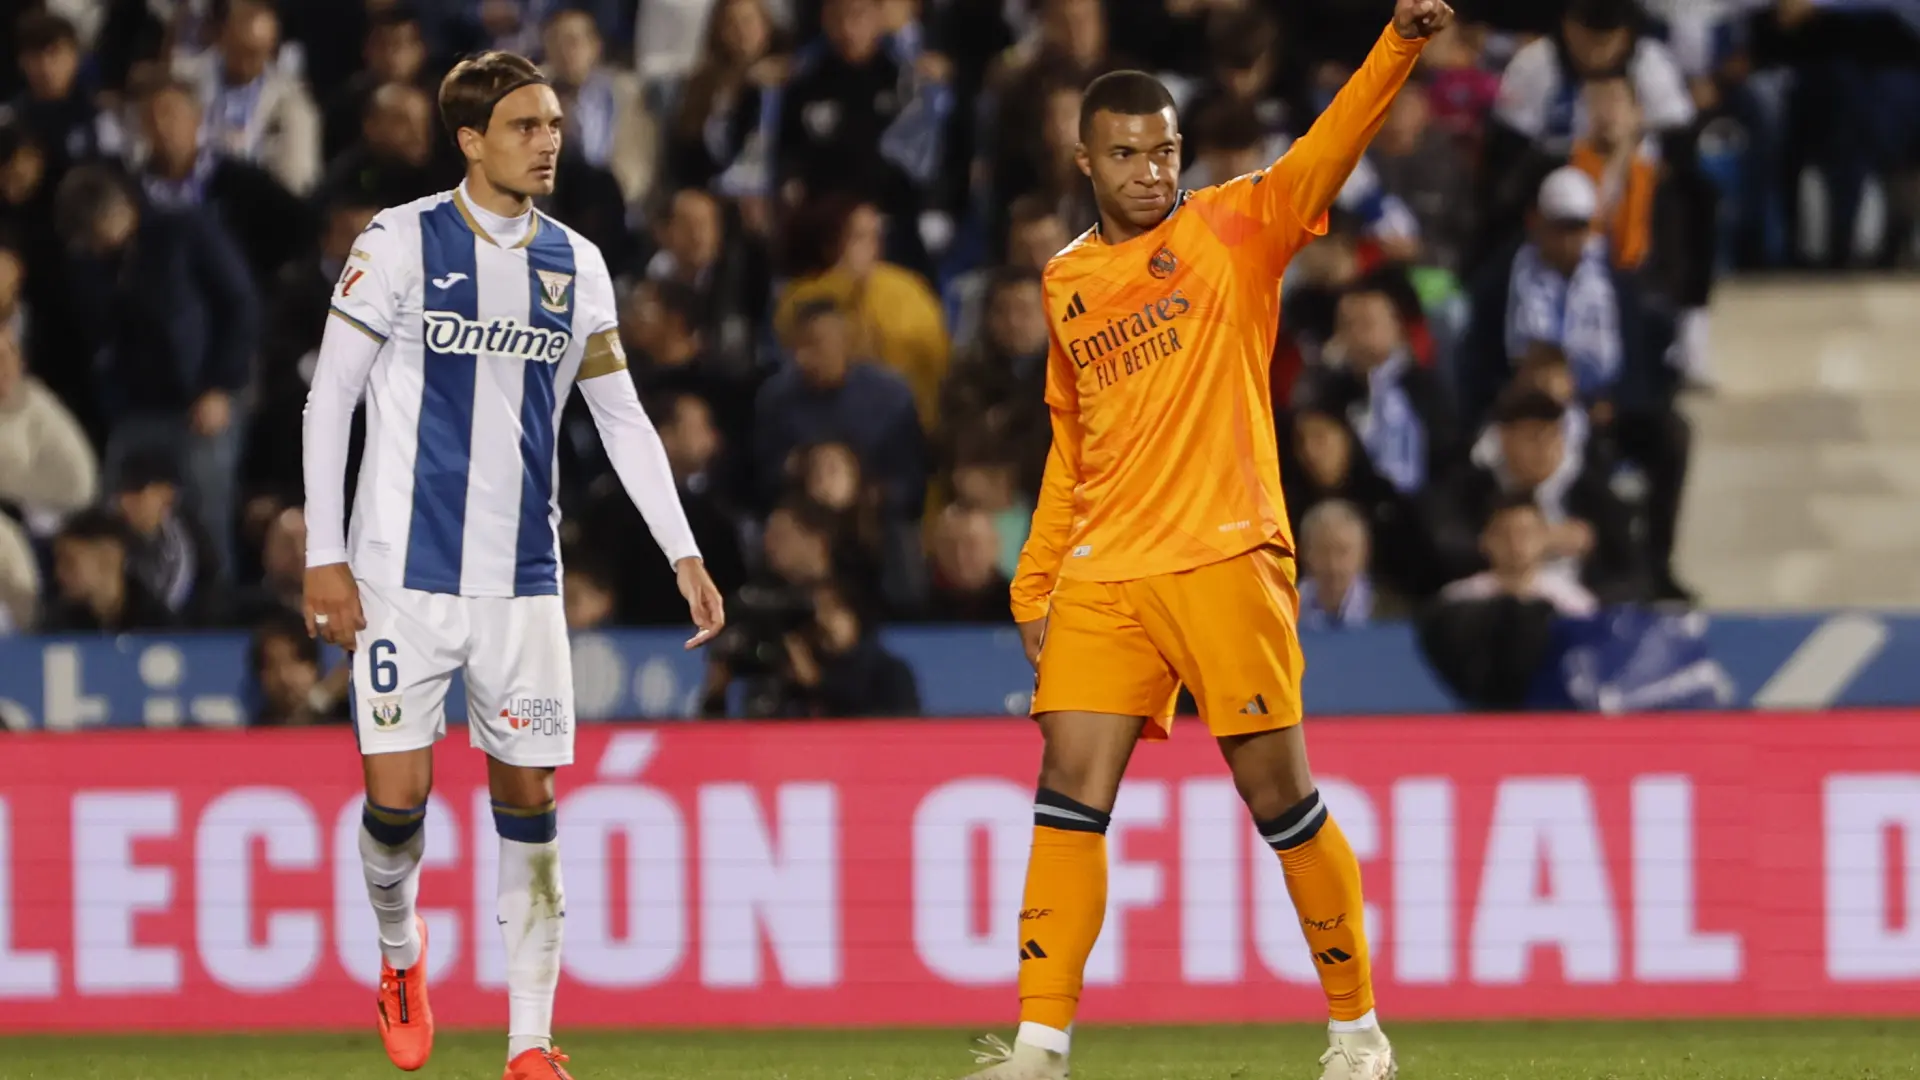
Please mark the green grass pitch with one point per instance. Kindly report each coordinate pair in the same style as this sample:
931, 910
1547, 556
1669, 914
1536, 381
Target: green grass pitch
1800, 1050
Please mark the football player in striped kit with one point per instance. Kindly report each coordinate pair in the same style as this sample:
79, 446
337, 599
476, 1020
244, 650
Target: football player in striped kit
464, 320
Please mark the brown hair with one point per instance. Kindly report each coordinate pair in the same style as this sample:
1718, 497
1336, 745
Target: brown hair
475, 85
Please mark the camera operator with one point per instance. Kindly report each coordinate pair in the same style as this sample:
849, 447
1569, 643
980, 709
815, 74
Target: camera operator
805, 652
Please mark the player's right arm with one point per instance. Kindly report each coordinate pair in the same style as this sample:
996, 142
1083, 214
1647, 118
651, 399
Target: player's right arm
1053, 513
357, 328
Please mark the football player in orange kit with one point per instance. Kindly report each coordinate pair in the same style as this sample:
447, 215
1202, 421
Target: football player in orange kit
1160, 552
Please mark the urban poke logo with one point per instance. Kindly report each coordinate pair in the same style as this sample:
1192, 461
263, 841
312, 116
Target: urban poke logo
1163, 264
540, 716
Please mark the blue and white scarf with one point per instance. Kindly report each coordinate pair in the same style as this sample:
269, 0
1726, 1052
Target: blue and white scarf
1354, 611
233, 118
1580, 315
1390, 428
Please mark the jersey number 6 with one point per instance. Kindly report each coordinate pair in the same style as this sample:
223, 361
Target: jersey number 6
385, 675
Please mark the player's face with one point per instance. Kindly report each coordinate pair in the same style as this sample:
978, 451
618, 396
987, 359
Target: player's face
1134, 162
520, 151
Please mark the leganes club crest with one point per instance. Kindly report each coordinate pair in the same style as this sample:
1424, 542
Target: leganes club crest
553, 290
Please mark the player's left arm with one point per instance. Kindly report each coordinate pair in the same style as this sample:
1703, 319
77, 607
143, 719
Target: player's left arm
1318, 164
634, 447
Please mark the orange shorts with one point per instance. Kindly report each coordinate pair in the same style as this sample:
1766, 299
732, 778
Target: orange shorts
1227, 630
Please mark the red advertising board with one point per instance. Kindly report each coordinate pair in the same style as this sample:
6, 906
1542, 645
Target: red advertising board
856, 874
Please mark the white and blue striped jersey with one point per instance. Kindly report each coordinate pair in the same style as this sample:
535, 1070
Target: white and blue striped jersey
480, 345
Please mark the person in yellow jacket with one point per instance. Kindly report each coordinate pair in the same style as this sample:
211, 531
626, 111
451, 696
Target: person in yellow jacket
896, 317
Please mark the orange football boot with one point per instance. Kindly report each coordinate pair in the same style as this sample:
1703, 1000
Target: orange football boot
406, 1021
537, 1064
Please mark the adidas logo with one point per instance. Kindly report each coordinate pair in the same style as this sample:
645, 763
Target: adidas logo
1256, 707
1032, 951
1332, 957
1075, 308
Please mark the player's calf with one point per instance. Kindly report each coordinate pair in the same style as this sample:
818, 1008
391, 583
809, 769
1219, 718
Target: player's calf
531, 908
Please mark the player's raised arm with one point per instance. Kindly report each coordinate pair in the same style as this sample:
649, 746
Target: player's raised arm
640, 460
1316, 168
357, 329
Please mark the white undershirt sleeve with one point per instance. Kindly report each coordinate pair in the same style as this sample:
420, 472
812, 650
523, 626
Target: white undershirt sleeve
347, 353
634, 447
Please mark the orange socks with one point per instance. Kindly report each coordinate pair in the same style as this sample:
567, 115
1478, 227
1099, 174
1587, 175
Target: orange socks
1066, 901
1323, 877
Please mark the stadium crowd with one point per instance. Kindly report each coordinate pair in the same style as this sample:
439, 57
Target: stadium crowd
830, 217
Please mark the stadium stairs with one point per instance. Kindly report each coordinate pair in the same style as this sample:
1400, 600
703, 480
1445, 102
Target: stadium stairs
1805, 488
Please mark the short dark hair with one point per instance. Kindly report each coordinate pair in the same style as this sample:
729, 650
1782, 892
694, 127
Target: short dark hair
1227, 125
1124, 93
1604, 15
145, 468
1029, 209
1002, 278
84, 194
1240, 39
94, 523
805, 314
38, 31
1519, 403
283, 626
1509, 502
475, 85
396, 17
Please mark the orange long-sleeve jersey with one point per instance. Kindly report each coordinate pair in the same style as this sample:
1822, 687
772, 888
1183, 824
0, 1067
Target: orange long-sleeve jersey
1164, 454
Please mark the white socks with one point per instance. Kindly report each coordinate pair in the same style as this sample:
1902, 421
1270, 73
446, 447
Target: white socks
1042, 1037
531, 910
1368, 1022
393, 883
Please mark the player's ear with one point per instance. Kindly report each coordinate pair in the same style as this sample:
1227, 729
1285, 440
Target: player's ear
1083, 159
469, 141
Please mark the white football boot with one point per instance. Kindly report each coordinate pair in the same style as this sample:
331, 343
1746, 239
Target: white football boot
1358, 1055
1021, 1061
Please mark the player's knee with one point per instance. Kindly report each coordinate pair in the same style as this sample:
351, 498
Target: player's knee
1083, 780
1295, 825
1053, 810
526, 824
392, 826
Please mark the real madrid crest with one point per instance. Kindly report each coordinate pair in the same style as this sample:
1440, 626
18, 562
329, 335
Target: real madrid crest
553, 290
1163, 264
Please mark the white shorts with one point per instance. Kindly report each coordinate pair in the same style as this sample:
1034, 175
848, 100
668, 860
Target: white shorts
515, 655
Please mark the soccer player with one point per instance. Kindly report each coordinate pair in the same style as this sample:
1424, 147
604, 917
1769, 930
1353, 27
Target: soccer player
465, 319
1160, 552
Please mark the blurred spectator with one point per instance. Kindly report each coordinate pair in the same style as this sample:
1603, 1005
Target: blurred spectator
670, 355
985, 479
267, 221
94, 591
716, 137
283, 564
297, 309
647, 587
57, 108
1460, 89
1623, 167
728, 273
1399, 409
836, 666
895, 318
1244, 46
1034, 236
19, 579
827, 394
878, 552
1589, 532
607, 124
1032, 89
967, 582
1425, 167
392, 52
1515, 543
1336, 590
40, 313
285, 663
257, 110
588, 594
996, 389
392, 162
1227, 142
47, 467
850, 114
1321, 459
173, 321
165, 553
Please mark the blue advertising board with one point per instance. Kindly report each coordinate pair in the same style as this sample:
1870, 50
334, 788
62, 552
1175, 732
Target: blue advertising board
1797, 661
